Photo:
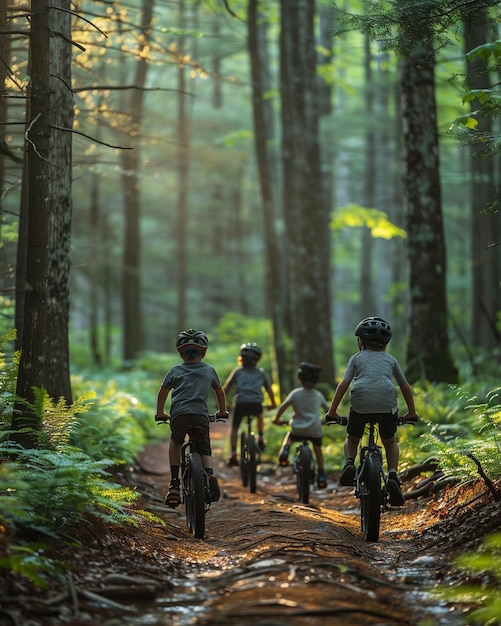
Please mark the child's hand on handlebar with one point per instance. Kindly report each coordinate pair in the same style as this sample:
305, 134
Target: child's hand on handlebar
280, 422
410, 419
162, 419
332, 419
222, 415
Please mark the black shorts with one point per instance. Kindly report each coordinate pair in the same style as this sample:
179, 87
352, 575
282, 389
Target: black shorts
387, 423
180, 424
243, 409
316, 441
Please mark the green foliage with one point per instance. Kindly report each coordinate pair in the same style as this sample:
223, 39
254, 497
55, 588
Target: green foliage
467, 427
481, 589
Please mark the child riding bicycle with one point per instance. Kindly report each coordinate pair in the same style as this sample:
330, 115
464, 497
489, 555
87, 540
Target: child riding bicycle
190, 383
306, 402
249, 381
373, 394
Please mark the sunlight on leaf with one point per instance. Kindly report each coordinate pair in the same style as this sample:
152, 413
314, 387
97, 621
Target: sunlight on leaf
356, 216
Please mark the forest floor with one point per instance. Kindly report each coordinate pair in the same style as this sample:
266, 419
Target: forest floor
266, 559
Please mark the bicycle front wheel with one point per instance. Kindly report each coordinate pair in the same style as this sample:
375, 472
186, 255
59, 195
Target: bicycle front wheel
371, 497
244, 460
195, 496
252, 462
303, 476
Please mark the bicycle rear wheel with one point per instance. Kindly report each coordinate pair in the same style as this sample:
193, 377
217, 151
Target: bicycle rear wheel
371, 497
252, 462
195, 496
244, 454
303, 475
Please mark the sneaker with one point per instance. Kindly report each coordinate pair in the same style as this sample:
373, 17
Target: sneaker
215, 494
283, 458
321, 480
260, 443
173, 497
393, 485
347, 478
232, 462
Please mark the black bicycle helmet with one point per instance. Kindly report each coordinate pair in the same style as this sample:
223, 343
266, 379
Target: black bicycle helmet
308, 372
191, 337
373, 331
251, 350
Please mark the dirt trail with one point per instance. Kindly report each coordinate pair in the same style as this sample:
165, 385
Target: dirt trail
266, 560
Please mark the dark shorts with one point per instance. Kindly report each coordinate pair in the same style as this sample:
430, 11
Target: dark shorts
316, 441
243, 409
180, 424
387, 424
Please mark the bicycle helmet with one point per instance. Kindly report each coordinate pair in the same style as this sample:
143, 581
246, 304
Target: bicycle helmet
374, 332
251, 350
308, 372
192, 337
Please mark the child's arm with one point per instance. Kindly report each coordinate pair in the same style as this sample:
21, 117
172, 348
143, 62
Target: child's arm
163, 392
406, 390
281, 410
221, 401
336, 400
269, 391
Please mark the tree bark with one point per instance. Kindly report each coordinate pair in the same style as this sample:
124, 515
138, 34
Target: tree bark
34, 343
264, 134
428, 353
131, 279
57, 380
305, 201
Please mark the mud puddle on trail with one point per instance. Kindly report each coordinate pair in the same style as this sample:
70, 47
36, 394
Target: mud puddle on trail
267, 559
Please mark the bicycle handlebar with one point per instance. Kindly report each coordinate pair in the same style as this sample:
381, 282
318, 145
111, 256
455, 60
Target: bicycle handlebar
343, 420
213, 417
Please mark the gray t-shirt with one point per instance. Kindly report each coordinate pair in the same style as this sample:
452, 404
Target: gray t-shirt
306, 404
190, 384
249, 383
371, 373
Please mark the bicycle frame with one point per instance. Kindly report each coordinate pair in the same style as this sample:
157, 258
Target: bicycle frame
370, 486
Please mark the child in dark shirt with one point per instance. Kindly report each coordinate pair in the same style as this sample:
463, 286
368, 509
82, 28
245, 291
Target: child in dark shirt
249, 381
190, 383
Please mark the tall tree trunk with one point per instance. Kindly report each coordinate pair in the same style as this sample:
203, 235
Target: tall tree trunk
428, 353
183, 140
57, 370
34, 343
486, 229
305, 202
267, 173
131, 282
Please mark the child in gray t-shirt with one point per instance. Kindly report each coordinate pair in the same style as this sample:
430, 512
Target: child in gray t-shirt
306, 402
371, 372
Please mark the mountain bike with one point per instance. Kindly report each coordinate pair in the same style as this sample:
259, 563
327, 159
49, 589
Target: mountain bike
194, 485
250, 456
370, 485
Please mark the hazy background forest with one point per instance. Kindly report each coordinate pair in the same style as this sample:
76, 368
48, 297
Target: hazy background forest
265, 171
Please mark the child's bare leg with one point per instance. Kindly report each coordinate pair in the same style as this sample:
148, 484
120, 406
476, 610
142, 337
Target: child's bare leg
319, 456
260, 424
351, 447
207, 461
174, 453
392, 453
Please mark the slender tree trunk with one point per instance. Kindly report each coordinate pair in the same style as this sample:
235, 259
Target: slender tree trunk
131, 283
305, 201
267, 172
485, 223
34, 344
183, 140
57, 371
428, 353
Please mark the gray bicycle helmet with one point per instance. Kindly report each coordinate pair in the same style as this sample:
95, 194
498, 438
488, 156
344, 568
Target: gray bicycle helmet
251, 350
192, 337
373, 331
308, 372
